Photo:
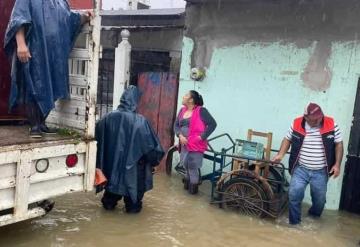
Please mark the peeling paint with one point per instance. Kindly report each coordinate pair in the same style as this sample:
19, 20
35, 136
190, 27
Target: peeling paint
289, 72
263, 69
299, 23
317, 73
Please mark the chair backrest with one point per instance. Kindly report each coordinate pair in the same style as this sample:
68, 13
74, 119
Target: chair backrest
267, 144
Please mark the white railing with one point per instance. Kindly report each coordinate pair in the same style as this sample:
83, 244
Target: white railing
79, 112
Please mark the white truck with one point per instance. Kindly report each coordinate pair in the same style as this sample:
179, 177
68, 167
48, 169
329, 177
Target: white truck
32, 171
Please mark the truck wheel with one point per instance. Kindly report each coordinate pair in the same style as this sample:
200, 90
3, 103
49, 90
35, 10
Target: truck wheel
47, 205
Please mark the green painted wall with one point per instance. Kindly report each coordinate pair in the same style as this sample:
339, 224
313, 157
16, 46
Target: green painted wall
258, 85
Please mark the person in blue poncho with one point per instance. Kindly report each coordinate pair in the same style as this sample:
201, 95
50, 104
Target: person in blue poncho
38, 40
127, 151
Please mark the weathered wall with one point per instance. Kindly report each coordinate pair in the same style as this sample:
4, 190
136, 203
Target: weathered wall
266, 61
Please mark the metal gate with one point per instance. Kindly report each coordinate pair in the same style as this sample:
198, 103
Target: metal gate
350, 195
106, 84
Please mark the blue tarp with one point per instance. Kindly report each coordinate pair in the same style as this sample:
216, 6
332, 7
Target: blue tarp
51, 28
128, 148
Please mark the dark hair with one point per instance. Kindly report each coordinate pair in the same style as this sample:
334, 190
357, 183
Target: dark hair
198, 100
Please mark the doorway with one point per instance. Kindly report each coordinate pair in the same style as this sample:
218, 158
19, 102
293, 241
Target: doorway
150, 71
350, 195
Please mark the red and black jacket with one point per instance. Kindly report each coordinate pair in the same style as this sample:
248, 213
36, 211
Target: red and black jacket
327, 132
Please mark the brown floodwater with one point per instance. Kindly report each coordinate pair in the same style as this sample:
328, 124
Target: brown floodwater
171, 217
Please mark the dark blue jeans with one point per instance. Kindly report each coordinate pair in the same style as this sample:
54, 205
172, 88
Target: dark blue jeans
318, 186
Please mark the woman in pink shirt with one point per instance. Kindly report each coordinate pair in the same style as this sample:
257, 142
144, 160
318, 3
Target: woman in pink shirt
193, 126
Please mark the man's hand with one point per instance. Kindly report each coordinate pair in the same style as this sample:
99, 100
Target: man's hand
339, 152
86, 17
285, 145
183, 140
335, 170
277, 158
23, 53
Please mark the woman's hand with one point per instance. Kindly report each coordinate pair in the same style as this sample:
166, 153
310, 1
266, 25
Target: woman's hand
183, 140
23, 53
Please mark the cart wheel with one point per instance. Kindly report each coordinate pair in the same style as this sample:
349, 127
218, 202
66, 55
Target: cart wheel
244, 196
275, 179
47, 205
180, 169
169, 159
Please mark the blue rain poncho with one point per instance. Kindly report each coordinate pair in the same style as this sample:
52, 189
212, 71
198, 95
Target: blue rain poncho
127, 148
50, 29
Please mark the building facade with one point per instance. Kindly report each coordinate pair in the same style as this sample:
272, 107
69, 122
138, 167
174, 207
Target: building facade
265, 60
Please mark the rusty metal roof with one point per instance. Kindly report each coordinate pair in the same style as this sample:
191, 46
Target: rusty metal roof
145, 18
163, 12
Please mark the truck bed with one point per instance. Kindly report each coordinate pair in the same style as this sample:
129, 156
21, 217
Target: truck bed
19, 136
33, 170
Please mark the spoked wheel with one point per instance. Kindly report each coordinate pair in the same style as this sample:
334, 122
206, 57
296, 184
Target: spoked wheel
244, 196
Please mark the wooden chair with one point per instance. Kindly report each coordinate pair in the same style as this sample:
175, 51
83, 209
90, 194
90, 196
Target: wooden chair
243, 164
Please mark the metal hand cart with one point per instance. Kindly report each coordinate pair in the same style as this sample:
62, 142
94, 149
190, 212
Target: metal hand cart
248, 185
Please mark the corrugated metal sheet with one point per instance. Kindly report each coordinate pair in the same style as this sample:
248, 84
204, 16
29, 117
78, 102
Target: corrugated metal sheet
143, 18
163, 12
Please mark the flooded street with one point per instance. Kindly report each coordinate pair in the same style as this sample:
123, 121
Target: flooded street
171, 217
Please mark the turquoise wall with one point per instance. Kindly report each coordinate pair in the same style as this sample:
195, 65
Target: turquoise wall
258, 85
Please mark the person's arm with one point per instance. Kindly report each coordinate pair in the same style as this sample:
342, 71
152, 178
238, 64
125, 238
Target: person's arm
182, 139
23, 52
209, 122
177, 127
339, 152
285, 145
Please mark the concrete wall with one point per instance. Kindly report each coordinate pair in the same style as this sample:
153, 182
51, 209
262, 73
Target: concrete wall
266, 61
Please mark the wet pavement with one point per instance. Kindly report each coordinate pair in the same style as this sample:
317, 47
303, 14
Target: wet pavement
171, 217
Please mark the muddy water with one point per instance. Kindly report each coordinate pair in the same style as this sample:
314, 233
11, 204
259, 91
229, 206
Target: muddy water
173, 218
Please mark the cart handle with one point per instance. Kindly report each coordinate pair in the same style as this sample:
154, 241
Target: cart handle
278, 164
276, 151
217, 137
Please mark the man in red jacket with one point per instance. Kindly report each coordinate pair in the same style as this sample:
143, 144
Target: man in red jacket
316, 154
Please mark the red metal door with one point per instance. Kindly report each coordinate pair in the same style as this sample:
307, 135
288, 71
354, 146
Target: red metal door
6, 8
158, 105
